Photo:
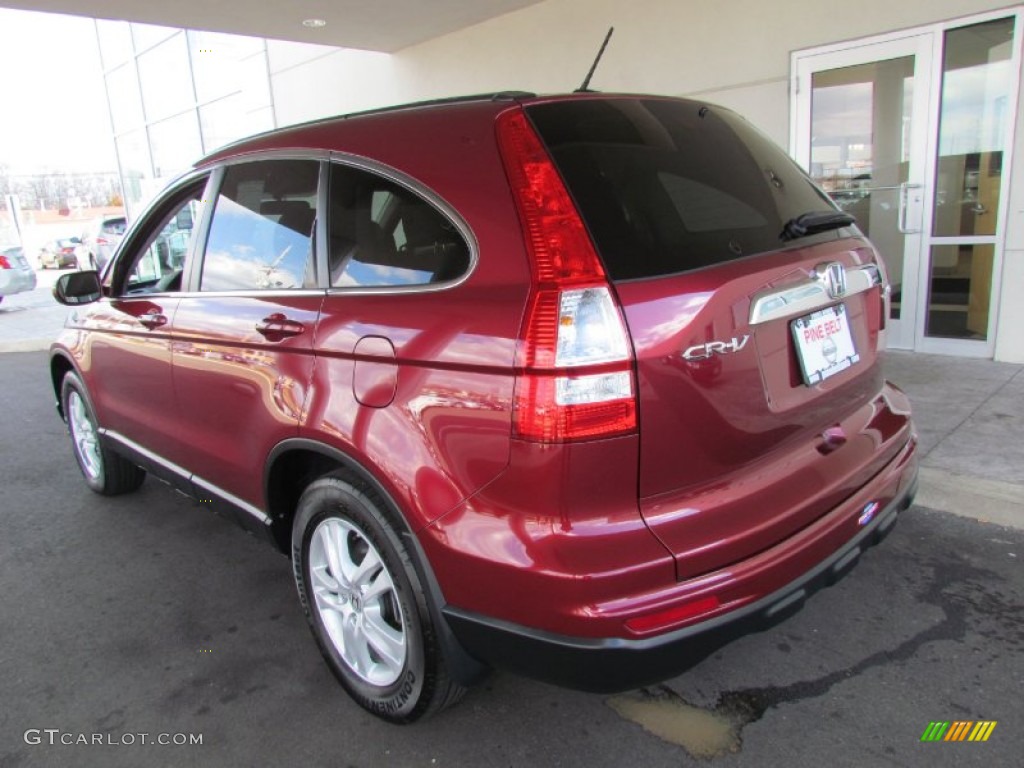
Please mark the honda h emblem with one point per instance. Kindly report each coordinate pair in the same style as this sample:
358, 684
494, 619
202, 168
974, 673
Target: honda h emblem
833, 277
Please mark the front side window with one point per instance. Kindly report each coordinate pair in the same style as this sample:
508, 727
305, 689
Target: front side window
158, 266
384, 235
261, 234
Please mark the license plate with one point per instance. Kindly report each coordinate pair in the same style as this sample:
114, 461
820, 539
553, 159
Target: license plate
824, 344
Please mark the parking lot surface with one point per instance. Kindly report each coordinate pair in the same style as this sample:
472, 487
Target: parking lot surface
146, 614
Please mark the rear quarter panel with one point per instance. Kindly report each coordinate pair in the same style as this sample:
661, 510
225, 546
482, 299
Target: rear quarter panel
446, 432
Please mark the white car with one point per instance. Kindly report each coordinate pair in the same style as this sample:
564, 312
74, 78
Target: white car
101, 240
16, 275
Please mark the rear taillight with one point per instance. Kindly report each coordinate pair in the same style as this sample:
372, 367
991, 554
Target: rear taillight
101, 241
4, 263
574, 362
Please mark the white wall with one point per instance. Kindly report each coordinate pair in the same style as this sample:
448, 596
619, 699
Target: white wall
311, 81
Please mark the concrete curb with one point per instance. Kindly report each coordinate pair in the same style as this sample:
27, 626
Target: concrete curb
988, 501
26, 345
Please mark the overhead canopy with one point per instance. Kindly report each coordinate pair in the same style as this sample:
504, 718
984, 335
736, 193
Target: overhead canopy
375, 25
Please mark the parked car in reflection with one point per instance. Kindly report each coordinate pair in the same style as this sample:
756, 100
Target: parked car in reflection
101, 239
60, 254
16, 275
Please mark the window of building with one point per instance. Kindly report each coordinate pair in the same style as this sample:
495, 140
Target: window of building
125, 99
166, 79
115, 39
175, 144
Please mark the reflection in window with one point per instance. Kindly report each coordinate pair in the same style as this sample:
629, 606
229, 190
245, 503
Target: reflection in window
261, 233
861, 119
976, 79
383, 235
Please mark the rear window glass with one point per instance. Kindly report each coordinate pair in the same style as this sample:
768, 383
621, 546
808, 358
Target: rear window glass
382, 235
114, 227
669, 186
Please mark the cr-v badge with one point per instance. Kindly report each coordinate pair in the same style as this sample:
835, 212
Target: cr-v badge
706, 351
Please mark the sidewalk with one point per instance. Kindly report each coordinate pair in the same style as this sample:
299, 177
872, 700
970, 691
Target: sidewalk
970, 419
30, 321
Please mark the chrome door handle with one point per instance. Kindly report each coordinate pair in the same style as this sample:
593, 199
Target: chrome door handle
153, 319
278, 326
903, 226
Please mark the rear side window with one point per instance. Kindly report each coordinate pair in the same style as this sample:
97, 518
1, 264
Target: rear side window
261, 234
113, 227
670, 186
382, 234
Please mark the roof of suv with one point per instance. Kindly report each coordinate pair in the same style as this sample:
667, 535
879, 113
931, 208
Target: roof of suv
312, 134
323, 133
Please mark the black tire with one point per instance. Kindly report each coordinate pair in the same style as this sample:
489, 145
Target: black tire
341, 508
104, 471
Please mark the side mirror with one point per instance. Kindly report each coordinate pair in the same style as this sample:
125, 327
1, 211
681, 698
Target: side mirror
78, 288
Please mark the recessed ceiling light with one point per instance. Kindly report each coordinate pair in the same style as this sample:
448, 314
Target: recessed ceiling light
314, 23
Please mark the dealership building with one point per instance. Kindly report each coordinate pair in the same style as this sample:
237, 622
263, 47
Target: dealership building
906, 113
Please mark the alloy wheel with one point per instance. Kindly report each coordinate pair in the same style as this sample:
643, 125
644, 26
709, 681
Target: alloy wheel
356, 601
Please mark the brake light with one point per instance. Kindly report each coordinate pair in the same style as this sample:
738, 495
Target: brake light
4, 263
574, 361
101, 241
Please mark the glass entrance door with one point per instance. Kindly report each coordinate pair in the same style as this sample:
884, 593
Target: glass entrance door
911, 134
862, 134
978, 95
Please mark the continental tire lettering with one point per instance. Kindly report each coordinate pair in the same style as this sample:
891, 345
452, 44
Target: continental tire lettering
400, 699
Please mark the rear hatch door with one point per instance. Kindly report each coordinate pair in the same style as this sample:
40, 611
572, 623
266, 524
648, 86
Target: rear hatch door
756, 338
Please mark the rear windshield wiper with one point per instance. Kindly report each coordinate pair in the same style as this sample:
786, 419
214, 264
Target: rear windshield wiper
813, 222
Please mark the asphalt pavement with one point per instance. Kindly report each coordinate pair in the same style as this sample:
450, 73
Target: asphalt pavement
125, 622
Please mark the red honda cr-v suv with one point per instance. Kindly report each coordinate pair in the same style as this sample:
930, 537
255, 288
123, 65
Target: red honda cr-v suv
581, 385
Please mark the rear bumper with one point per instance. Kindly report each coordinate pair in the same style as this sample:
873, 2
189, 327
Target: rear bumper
616, 664
16, 281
